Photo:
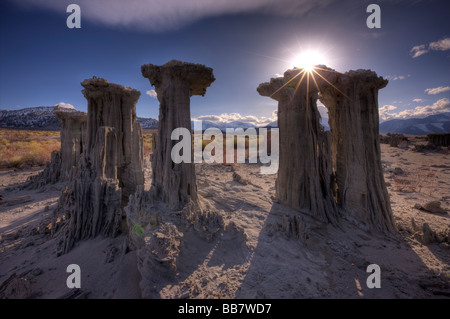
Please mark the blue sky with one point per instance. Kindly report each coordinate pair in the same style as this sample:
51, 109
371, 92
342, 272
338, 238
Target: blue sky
246, 42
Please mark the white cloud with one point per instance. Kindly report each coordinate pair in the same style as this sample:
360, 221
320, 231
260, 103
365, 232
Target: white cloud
440, 106
65, 105
151, 93
225, 118
158, 15
278, 75
441, 45
384, 111
212, 118
418, 100
438, 90
418, 50
397, 77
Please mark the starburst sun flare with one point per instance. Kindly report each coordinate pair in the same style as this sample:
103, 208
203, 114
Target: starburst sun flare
308, 59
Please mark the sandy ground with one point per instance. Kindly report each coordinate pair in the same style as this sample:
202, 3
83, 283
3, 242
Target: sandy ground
255, 255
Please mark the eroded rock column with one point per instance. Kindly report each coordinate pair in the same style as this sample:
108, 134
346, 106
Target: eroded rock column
114, 105
73, 135
73, 127
352, 102
175, 82
110, 167
304, 174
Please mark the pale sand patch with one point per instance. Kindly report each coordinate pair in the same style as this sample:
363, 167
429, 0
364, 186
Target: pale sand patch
255, 257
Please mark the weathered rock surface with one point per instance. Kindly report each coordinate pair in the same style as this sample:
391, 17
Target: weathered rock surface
110, 167
439, 139
346, 163
113, 105
73, 135
304, 174
16, 287
352, 102
429, 236
50, 175
432, 207
73, 128
175, 82
153, 216
393, 139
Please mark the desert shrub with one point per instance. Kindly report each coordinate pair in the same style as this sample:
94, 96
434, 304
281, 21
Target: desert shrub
423, 179
21, 147
147, 141
393, 139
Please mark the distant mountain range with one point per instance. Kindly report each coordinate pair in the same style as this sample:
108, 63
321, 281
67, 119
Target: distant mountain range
237, 124
40, 118
147, 122
234, 124
43, 118
438, 123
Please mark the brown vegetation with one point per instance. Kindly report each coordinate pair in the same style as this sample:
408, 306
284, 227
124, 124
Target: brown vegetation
147, 137
423, 179
22, 147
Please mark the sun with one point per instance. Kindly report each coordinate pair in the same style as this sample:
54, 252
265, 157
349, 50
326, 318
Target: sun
308, 59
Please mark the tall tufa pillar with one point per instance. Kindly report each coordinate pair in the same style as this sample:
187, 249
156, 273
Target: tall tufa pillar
110, 167
73, 134
114, 105
304, 174
175, 82
352, 102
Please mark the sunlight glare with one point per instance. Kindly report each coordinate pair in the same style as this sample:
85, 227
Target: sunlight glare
308, 59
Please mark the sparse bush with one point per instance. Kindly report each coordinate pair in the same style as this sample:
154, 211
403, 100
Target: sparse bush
423, 179
21, 147
147, 137
393, 139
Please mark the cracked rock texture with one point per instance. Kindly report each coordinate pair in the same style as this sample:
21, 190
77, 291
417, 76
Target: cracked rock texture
336, 173
110, 168
352, 102
73, 127
175, 82
304, 174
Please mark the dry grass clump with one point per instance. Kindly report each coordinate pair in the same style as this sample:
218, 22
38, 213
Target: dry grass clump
147, 137
423, 179
23, 147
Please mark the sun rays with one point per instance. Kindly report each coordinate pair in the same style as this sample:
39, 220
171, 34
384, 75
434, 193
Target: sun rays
308, 60
309, 71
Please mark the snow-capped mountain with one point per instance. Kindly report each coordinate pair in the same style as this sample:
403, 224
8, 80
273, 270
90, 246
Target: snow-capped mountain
223, 125
43, 118
40, 118
438, 123
147, 123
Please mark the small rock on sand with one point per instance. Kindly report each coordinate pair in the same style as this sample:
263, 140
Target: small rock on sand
428, 234
432, 207
18, 200
238, 178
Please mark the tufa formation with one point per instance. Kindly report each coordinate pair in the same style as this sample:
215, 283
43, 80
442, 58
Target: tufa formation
175, 82
345, 162
304, 173
110, 167
73, 127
